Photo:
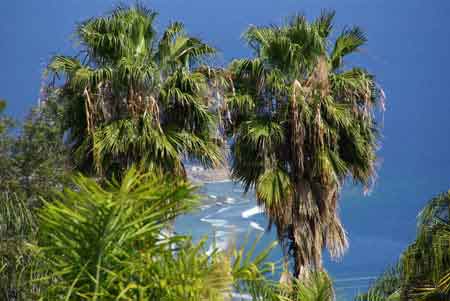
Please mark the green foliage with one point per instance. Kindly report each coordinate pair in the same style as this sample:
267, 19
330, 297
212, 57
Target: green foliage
423, 273
386, 287
17, 227
426, 263
6, 142
33, 162
315, 287
302, 124
89, 234
136, 98
111, 243
34, 157
2, 105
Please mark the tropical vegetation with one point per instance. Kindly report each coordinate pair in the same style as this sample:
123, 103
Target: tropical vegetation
109, 243
134, 97
423, 272
33, 163
93, 179
303, 122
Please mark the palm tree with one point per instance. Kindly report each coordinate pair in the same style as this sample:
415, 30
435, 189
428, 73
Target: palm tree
302, 124
135, 98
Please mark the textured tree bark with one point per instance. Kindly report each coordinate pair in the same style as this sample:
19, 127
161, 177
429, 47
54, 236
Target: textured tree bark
88, 110
306, 231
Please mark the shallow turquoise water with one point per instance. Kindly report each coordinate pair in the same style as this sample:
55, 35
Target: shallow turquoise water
378, 231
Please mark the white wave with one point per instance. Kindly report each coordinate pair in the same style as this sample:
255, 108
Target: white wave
230, 200
230, 226
253, 211
223, 209
222, 234
214, 222
217, 181
212, 196
256, 226
204, 207
239, 297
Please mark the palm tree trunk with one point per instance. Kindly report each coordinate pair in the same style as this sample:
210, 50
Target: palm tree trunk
306, 231
299, 261
88, 111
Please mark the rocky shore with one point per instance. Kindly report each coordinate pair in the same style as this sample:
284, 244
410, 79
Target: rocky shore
198, 174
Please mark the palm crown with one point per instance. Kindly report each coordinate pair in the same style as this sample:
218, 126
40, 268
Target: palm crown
136, 98
302, 123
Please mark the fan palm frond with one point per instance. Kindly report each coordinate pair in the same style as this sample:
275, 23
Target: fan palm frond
349, 41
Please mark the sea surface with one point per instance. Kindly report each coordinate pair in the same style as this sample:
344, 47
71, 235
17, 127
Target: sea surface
377, 231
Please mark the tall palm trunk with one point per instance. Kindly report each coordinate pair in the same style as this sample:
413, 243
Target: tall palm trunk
306, 232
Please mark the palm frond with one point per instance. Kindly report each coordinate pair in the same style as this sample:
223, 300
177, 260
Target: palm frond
324, 23
316, 287
349, 41
89, 232
273, 187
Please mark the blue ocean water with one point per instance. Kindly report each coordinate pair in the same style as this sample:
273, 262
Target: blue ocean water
378, 231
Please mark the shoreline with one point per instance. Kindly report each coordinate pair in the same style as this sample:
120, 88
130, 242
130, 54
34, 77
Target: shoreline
198, 174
